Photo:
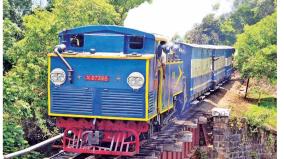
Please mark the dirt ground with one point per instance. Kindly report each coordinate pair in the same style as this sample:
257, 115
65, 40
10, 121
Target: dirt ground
230, 96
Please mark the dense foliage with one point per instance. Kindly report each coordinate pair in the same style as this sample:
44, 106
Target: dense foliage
12, 33
251, 28
257, 53
223, 29
25, 84
122, 7
208, 32
15, 9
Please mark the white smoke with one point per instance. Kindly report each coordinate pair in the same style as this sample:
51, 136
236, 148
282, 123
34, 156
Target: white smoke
168, 17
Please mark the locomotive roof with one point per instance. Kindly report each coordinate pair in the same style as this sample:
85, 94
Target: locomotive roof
111, 29
209, 46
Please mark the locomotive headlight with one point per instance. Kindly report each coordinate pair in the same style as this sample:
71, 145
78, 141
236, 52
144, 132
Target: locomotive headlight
135, 80
57, 76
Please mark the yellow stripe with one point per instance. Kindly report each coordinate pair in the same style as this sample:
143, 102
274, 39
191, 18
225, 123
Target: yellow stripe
152, 116
177, 62
177, 93
169, 107
160, 91
147, 89
198, 86
179, 77
99, 117
48, 86
169, 92
143, 57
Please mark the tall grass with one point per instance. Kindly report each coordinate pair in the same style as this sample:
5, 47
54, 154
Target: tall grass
262, 112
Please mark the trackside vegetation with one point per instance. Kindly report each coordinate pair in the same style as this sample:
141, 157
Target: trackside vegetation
256, 59
251, 28
29, 34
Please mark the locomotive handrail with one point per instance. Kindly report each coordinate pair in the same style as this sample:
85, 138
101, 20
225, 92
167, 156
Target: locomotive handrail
29, 149
69, 68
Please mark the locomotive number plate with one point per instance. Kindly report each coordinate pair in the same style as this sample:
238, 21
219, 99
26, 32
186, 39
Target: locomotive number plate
97, 78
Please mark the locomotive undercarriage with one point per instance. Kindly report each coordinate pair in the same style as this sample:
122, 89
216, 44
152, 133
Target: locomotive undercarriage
106, 137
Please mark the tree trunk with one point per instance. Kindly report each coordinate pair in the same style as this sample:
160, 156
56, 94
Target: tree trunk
247, 88
259, 97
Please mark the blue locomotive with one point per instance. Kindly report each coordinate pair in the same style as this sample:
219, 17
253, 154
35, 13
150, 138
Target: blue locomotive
108, 92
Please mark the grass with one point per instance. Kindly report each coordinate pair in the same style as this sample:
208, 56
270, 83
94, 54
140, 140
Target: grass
261, 112
262, 116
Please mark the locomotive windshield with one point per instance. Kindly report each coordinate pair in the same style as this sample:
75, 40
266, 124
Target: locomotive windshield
77, 40
136, 42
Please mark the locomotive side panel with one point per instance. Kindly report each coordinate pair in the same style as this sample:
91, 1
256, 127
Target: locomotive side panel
184, 52
176, 75
172, 84
153, 88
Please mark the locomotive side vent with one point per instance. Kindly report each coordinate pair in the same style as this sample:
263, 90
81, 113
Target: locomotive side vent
72, 101
123, 103
152, 108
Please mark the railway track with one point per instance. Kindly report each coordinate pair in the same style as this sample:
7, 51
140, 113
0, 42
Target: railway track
68, 155
65, 155
155, 147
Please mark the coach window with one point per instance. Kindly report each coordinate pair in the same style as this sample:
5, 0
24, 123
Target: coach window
136, 42
77, 40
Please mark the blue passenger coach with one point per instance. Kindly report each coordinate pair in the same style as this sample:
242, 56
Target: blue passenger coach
205, 66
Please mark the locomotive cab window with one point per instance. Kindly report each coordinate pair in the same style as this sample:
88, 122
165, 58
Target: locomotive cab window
136, 42
77, 40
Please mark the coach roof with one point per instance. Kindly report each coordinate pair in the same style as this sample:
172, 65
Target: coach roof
209, 46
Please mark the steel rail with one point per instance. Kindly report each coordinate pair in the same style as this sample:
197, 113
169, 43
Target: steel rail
29, 149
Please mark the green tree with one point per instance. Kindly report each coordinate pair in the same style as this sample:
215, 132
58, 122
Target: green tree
177, 38
12, 12
228, 31
15, 9
216, 6
245, 12
257, 54
12, 33
225, 28
122, 7
25, 85
208, 32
